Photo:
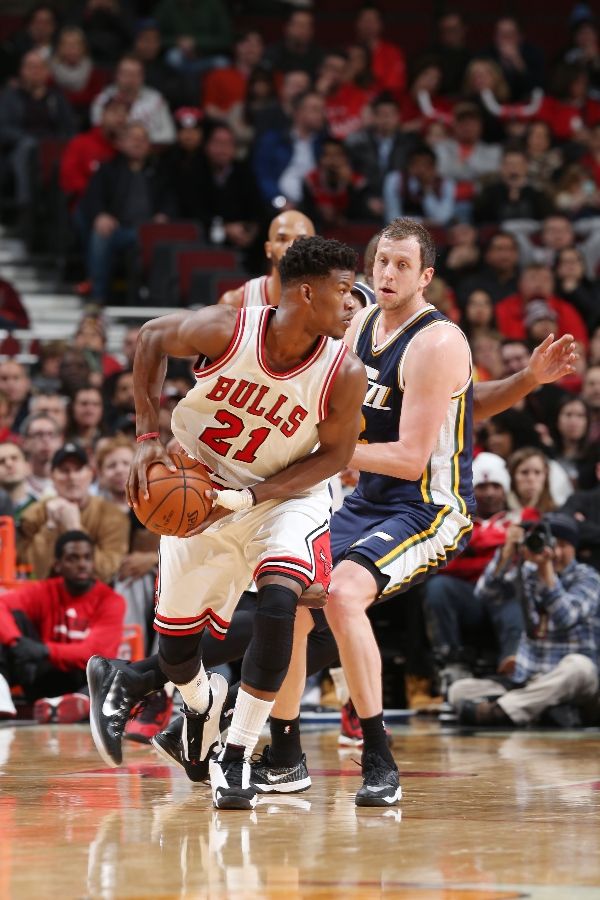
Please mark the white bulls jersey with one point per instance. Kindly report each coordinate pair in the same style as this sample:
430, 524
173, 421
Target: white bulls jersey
256, 292
246, 422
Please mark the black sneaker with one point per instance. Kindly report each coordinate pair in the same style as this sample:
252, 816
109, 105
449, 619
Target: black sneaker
112, 698
230, 780
269, 779
168, 745
189, 739
381, 782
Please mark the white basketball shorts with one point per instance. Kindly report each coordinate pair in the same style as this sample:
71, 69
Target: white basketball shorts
201, 578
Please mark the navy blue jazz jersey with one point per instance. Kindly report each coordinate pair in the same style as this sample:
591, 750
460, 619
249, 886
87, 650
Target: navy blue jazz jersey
407, 528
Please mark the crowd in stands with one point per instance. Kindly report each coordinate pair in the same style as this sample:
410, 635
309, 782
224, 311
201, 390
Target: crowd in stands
164, 113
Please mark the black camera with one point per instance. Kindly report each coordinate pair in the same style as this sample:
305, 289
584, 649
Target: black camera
537, 536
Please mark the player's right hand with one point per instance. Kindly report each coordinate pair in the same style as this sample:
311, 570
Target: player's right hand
146, 453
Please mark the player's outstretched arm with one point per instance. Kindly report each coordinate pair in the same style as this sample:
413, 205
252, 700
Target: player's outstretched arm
206, 332
436, 366
338, 434
549, 361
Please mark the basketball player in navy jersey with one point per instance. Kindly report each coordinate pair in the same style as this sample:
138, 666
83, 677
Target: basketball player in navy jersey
273, 385
410, 513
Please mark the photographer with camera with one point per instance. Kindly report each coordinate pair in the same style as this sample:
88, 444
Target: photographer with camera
556, 662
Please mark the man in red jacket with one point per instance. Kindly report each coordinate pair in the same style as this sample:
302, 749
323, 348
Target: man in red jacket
537, 283
49, 629
86, 151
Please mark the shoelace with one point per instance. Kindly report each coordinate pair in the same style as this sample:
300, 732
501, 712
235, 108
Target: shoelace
234, 771
375, 769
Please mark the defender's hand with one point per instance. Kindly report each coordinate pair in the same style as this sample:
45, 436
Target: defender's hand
552, 359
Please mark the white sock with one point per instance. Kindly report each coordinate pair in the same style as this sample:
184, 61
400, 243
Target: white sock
249, 717
195, 693
342, 692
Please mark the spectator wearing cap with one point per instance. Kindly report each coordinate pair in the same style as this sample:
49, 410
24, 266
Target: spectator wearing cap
460, 625
537, 283
73, 508
145, 104
556, 661
49, 630
87, 151
223, 88
182, 164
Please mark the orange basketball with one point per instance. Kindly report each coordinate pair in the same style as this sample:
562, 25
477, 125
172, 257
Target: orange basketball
176, 503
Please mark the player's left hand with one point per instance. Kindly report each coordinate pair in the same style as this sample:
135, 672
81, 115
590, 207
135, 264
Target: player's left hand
552, 359
217, 512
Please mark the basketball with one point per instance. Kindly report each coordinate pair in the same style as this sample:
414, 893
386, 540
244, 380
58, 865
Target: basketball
176, 501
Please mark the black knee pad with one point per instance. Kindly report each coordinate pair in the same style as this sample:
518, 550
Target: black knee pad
268, 655
179, 657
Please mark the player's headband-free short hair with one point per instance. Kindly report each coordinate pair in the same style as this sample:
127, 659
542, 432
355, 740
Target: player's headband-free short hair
400, 229
315, 257
70, 537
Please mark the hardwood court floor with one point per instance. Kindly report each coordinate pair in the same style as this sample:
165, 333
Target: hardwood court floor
484, 817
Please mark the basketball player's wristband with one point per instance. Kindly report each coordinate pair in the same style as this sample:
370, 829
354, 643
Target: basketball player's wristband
236, 500
147, 437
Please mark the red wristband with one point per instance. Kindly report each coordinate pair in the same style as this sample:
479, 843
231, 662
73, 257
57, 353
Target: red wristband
148, 436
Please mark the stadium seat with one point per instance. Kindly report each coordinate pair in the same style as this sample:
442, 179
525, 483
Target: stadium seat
152, 233
189, 261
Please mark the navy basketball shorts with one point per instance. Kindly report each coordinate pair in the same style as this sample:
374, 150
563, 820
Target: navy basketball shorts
405, 543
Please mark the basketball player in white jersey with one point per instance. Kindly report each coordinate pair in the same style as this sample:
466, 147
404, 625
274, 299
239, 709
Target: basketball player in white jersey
266, 289
273, 385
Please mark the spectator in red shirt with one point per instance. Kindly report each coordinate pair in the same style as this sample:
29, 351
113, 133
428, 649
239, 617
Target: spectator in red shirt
84, 153
459, 624
333, 193
223, 88
345, 101
49, 630
387, 60
537, 283
569, 110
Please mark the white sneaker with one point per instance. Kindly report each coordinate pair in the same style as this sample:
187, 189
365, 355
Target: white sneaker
230, 781
7, 707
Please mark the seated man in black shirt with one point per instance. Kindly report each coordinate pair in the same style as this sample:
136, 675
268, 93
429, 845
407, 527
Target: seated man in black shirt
123, 194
